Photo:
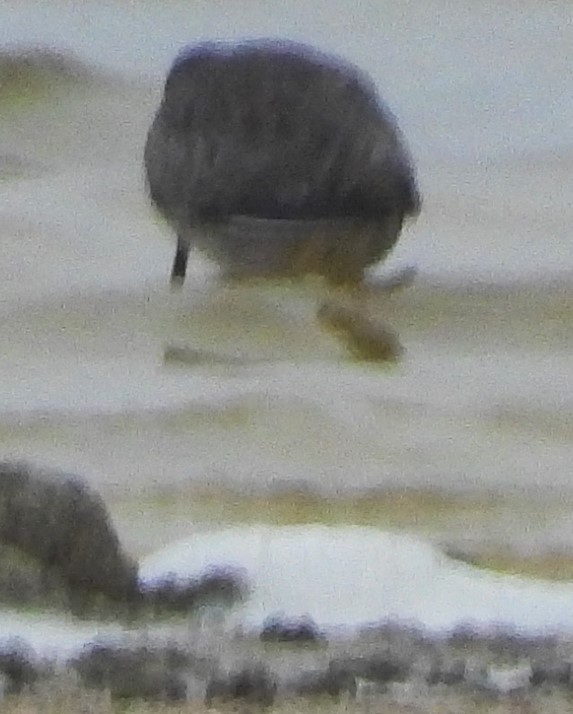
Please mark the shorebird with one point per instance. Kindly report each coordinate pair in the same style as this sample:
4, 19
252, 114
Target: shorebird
280, 161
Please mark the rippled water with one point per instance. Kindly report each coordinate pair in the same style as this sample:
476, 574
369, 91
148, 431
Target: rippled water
480, 406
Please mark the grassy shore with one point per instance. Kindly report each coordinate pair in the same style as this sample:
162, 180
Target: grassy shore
65, 699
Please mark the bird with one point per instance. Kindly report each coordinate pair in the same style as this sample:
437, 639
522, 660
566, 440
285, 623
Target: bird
278, 160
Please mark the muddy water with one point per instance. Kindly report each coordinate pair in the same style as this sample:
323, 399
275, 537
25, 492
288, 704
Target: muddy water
467, 442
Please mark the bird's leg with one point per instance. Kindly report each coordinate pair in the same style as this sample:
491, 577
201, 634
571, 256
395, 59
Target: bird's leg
367, 339
175, 353
180, 262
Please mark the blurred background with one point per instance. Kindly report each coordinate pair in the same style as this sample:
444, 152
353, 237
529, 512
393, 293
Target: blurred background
467, 442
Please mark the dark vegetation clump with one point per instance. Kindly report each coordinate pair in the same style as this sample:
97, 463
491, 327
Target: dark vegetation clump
153, 674
335, 681
56, 519
253, 684
58, 547
170, 594
24, 582
381, 668
18, 666
294, 630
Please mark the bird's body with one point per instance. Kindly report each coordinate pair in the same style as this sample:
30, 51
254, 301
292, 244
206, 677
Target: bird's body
275, 160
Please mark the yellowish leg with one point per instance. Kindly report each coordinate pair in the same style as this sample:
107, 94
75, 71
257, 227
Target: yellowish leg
344, 295
367, 338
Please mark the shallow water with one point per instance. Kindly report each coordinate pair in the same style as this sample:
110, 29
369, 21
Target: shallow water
480, 406
52, 635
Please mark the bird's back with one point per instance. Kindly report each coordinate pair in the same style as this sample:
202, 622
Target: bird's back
274, 131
